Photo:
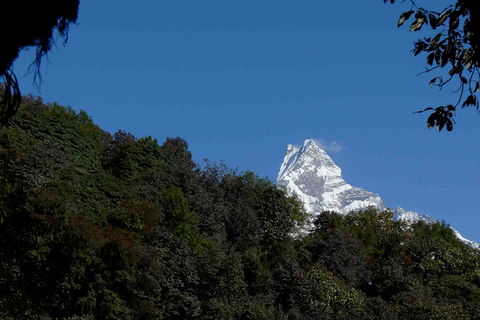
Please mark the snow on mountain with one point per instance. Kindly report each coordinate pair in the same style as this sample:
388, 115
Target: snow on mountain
476, 245
411, 216
310, 174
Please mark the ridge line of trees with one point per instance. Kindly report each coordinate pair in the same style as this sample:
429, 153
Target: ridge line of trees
102, 226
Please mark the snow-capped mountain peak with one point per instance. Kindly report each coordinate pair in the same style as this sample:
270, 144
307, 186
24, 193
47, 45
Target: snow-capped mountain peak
309, 173
309, 158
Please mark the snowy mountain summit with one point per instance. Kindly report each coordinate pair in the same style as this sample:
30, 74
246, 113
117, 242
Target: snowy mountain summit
411, 216
310, 174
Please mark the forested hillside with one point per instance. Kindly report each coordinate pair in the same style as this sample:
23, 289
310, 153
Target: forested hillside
101, 226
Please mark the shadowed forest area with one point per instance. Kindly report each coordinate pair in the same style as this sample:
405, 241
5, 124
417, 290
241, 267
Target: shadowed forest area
102, 226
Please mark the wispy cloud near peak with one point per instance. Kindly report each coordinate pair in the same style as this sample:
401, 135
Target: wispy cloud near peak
329, 146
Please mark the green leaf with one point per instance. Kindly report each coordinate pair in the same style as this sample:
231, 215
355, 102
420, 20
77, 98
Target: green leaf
403, 17
440, 124
433, 20
419, 47
435, 39
426, 109
467, 58
449, 125
456, 69
432, 82
470, 101
454, 20
445, 57
431, 120
438, 56
417, 24
430, 58
468, 64
441, 19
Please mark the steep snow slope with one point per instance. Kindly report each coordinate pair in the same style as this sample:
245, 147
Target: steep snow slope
309, 173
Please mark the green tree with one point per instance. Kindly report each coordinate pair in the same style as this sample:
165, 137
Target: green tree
453, 46
95, 226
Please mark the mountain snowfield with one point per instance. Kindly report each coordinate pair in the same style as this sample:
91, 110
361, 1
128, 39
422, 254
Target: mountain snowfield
310, 174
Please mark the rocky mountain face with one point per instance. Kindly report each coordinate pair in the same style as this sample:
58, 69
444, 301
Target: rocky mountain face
310, 174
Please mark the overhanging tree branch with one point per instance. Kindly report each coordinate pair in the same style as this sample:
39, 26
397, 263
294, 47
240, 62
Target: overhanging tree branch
29, 23
454, 47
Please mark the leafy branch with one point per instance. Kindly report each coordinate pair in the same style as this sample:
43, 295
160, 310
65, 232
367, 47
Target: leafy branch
9, 97
454, 47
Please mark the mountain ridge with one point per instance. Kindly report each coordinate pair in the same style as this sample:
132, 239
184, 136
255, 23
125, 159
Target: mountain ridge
309, 173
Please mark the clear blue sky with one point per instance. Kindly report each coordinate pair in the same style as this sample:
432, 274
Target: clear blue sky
239, 80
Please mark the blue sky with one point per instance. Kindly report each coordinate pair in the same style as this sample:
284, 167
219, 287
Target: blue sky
239, 80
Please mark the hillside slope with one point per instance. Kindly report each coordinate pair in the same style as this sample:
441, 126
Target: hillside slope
101, 226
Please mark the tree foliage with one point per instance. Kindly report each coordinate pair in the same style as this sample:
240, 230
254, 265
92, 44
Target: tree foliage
102, 226
453, 46
29, 24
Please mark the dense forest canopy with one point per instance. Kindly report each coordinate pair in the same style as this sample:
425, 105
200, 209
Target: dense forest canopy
102, 226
